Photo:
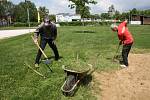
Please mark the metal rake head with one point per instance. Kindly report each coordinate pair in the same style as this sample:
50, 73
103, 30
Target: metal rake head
47, 61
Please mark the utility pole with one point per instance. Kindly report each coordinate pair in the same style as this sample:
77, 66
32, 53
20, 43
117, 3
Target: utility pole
28, 13
38, 15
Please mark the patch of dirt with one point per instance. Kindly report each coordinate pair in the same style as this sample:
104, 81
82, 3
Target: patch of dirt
132, 83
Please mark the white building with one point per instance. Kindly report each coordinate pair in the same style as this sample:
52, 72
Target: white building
66, 17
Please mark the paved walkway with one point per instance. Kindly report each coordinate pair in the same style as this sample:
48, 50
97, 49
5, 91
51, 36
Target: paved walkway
11, 33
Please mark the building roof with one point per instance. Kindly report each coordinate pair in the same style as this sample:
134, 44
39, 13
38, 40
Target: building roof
140, 15
67, 14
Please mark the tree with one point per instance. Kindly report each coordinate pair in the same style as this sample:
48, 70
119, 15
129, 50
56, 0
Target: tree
81, 7
96, 16
2, 11
43, 11
125, 16
105, 16
20, 12
32, 11
7, 9
147, 12
117, 15
134, 11
52, 17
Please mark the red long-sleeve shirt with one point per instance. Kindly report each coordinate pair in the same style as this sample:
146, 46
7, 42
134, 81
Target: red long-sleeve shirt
125, 36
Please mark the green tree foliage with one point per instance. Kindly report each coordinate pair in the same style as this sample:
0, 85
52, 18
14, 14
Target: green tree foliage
117, 15
134, 11
52, 17
6, 8
126, 15
43, 11
81, 7
2, 10
20, 12
96, 16
105, 16
147, 12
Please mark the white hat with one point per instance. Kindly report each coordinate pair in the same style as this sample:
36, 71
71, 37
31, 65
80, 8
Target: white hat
113, 26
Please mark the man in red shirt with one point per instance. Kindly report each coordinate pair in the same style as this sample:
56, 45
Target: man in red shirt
125, 38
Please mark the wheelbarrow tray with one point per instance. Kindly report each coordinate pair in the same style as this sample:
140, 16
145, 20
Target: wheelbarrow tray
75, 71
73, 77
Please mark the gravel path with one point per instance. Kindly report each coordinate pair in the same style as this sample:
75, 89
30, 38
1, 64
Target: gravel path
11, 33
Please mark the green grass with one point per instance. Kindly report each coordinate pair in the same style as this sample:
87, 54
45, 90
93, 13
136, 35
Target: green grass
97, 48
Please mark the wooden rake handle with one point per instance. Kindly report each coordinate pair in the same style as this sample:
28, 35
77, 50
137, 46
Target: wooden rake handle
38, 73
39, 48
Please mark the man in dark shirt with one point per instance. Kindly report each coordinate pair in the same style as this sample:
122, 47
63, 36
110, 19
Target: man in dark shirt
48, 33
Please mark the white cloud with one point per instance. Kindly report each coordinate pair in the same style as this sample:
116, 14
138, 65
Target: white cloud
120, 5
101, 6
61, 6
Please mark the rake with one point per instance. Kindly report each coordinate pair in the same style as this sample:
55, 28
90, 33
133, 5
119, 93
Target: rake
47, 61
115, 56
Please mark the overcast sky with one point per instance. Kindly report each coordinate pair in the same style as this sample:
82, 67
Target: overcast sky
61, 6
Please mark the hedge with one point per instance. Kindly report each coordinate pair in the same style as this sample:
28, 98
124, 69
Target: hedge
34, 24
19, 24
85, 23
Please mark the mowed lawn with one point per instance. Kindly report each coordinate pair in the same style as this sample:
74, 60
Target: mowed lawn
96, 46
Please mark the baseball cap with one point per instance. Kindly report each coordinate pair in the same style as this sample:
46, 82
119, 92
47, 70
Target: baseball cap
46, 21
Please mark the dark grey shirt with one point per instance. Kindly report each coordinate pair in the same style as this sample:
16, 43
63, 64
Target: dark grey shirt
46, 31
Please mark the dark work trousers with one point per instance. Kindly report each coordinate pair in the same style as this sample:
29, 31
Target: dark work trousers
125, 52
43, 43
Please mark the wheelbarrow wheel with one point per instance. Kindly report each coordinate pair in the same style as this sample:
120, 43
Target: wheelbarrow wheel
70, 82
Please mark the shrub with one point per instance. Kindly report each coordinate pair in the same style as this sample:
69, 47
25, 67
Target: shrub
19, 24
85, 23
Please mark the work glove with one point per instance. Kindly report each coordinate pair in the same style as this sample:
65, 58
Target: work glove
35, 40
53, 41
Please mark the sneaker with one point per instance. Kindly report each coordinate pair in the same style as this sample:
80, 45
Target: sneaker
123, 66
36, 65
121, 62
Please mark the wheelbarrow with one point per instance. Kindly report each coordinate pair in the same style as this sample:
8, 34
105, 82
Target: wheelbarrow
72, 80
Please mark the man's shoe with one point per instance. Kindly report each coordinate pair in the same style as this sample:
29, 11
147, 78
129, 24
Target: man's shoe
123, 66
58, 58
36, 65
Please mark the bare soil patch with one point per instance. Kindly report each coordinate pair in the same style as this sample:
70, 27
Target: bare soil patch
132, 83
